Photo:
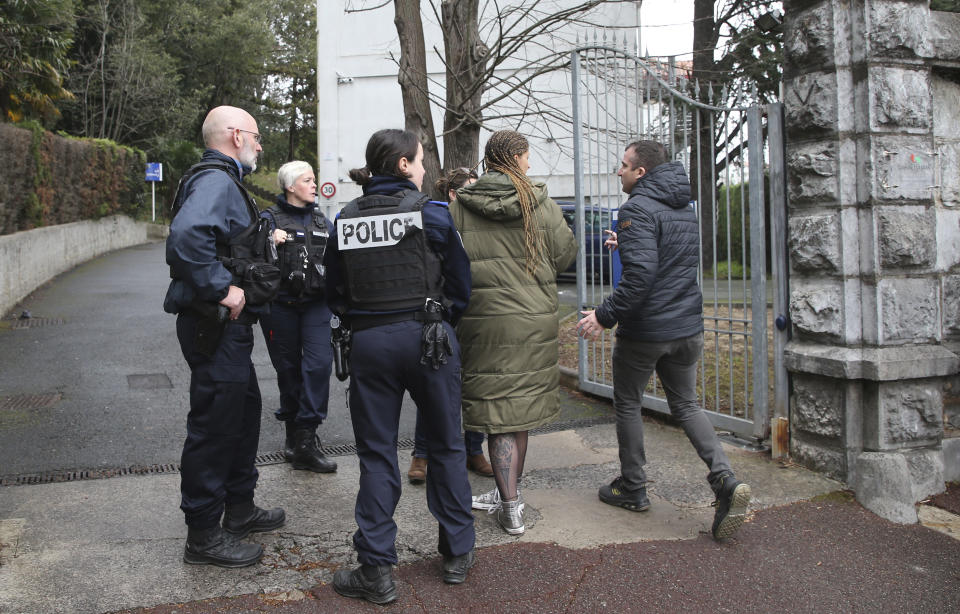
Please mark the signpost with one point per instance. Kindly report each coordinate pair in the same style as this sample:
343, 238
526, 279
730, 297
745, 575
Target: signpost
154, 174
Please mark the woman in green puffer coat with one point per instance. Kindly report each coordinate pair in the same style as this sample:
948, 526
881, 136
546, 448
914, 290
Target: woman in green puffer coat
517, 240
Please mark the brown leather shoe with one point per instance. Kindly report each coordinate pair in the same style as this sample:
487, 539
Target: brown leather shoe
418, 471
478, 464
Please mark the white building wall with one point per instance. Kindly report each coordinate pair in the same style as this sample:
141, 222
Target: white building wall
359, 94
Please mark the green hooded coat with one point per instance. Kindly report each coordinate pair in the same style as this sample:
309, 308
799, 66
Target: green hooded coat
508, 334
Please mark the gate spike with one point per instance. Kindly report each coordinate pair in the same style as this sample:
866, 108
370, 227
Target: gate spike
710, 92
724, 93
696, 89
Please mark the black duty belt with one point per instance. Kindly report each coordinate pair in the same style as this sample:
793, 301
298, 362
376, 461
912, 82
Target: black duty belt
365, 321
245, 317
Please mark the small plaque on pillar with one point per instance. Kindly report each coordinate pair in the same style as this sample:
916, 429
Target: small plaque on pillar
907, 174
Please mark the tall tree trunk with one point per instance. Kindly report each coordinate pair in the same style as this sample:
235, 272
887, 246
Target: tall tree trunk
702, 178
413, 85
465, 56
292, 132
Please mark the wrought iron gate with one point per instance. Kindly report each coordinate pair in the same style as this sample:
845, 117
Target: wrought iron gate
618, 98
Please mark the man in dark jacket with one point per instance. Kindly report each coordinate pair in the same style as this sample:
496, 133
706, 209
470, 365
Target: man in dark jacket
214, 326
659, 309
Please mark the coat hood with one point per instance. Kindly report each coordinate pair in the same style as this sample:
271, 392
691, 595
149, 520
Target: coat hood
667, 183
494, 197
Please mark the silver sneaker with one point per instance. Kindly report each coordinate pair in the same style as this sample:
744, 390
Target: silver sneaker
490, 501
510, 516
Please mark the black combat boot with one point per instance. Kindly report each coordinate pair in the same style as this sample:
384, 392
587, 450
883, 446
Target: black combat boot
288, 441
375, 584
242, 519
214, 546
307, 454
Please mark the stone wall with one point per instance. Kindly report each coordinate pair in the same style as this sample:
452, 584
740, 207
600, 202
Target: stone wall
873, 154
30, 258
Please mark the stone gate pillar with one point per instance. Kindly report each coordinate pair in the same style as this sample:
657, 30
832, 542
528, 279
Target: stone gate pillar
872, 102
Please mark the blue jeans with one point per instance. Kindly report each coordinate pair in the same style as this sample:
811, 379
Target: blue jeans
675, 362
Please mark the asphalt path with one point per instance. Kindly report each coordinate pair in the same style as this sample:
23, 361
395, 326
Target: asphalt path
107, 358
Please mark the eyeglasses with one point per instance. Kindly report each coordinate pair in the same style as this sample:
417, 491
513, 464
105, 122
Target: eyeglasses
256, 135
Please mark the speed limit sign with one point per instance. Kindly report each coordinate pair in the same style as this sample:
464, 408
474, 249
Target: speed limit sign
328, 190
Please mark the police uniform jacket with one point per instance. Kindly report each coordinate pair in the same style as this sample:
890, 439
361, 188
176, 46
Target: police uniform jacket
442, 238
304, 217
508, 335
213, 210
658, 298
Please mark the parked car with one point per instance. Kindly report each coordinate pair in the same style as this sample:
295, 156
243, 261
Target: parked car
601, 264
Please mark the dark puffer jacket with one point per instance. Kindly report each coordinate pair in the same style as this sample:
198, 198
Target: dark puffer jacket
658, 298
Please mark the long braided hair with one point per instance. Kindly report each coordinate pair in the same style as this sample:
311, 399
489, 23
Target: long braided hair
499, 156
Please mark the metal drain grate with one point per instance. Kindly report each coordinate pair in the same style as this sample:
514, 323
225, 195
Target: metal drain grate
29, 401
35, 323
270, 458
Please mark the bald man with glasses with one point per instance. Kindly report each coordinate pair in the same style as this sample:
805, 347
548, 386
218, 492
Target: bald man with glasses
215, 235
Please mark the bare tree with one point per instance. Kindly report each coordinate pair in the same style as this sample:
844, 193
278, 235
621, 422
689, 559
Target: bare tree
491, 67
413, 83
728, 51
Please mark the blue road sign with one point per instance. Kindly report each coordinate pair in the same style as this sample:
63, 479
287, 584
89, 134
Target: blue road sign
154, 171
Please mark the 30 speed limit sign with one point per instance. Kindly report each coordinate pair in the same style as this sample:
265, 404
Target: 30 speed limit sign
328, 190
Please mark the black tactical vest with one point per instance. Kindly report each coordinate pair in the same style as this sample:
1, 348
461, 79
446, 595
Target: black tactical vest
387, 261
244, 255
301, 258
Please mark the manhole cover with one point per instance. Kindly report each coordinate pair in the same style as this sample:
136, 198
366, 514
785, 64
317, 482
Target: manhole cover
36, 323
149, 381
29, 401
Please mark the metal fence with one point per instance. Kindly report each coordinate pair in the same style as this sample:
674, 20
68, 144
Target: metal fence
728, 151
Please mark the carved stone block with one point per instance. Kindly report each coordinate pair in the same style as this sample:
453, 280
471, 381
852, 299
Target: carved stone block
947, 226
926, 472
815, 243
815, 309
810, 103
908, 414
813, 169
807, 40
819, 458
948, 177
907, 237
909, 309
944, 42
899, 30
818, 405
900, 98
951, 306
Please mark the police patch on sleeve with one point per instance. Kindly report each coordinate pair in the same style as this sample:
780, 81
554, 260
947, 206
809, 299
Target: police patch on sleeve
377, 230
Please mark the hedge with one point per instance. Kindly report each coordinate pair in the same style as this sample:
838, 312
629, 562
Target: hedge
47, 179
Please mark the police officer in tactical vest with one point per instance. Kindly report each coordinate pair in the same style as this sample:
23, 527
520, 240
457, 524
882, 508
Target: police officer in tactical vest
222, 281
297, 329
398, 275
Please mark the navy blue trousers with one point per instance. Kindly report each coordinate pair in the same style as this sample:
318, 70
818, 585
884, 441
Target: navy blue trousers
472, 440
223, 427
384, 362
298, 339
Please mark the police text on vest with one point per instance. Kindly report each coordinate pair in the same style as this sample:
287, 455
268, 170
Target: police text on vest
377, 230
